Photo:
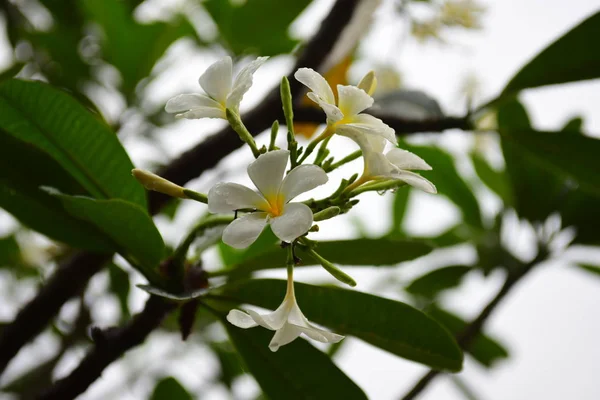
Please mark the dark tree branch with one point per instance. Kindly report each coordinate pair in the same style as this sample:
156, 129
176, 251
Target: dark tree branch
75, 273
110, 345
469, 334
68, 281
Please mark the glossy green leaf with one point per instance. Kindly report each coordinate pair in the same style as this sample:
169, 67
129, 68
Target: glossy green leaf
133, 48
495, 180
57, 125
580, 210
296, 371
238, 24
387, 324
45, 213
170, 389
484, 349
354, 252
126, 224
448, 181
184, 297
573, 57
436, 281
10, 253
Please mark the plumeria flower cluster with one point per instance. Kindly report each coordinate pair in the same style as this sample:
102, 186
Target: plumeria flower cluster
272, 204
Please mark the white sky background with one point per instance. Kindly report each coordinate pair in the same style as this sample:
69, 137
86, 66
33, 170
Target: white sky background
549, 323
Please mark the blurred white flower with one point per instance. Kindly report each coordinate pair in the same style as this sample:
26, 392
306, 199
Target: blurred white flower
345, 118
287, 321
465, 13
272, 204
222, 91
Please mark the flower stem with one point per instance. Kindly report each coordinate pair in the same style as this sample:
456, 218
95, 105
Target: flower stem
311, 146
345, 160
356, 183
290, 271
237, 125
199, 197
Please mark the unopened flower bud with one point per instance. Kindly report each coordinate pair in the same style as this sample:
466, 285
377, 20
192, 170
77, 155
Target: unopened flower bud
368, 83
156, 183
327, 213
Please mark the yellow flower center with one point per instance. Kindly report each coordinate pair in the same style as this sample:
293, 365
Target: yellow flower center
274, 205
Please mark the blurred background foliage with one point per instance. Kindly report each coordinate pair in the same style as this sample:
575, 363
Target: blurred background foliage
108, 52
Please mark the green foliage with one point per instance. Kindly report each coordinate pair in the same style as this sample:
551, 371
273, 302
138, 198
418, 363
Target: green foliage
573, 57
10, 253
57, 125
127, 225
493, 179
170, 389
448, 181
436, 281
133, 48
387, 324
485, 350
590, 268
399, 209
119, 284
230, 362
296, 371
238, 24
355, 252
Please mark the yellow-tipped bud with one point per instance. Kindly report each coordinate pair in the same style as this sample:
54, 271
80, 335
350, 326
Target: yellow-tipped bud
368, 83
156, 183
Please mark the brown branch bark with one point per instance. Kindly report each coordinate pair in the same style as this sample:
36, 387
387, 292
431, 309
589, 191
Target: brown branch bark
109, 346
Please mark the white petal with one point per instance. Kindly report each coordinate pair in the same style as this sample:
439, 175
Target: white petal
244, 231
203, 112
302, 179
404, 159
284, 336
376, 164
227, 197
243, 82
267, 171
274, 320
186, 102
320, 335
352, 100
315, 82
241, 319
415, 180
368, 124
333, 113
216, 80
296, 220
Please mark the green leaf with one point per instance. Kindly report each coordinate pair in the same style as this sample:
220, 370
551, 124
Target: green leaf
10, 253
296, 371
172, 296
484, 349
536, 190
170, 389
238, 24
126, 224
355, 252
45, 213
387, 324
448, 181
133, 48
436, 281
573, 57
574, 125
399, 208
493, 179
590, 268
57, 125
120, 286
264, 243
230, 362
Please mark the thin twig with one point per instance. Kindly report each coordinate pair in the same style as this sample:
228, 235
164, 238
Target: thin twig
110, 345
469, 334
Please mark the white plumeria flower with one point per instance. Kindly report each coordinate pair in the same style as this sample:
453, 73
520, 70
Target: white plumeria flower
272, 204
345, 118
222, 91
287, 321
395, 164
